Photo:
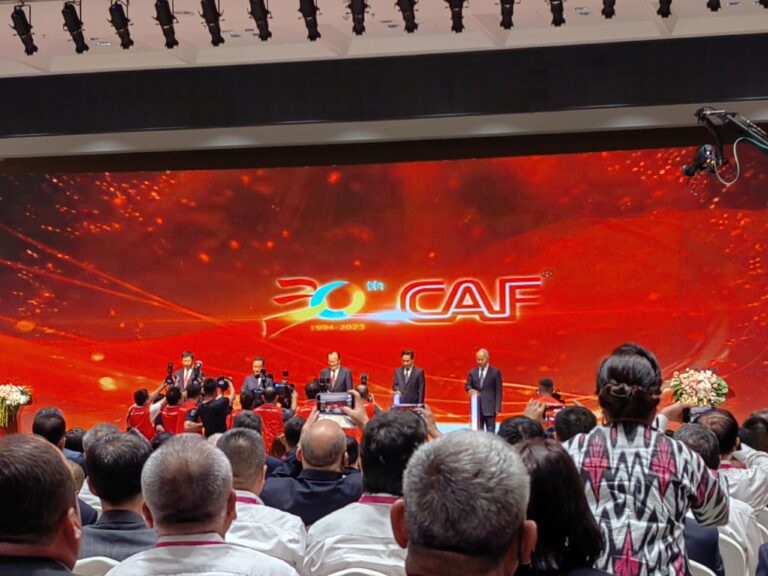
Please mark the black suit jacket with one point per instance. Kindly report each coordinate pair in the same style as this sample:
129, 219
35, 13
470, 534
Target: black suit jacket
313, 494
88, 514
412, 391
343, 379
117, 534
19, 566
490, 395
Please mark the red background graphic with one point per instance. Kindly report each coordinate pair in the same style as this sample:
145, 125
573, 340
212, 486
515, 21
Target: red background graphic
107, 277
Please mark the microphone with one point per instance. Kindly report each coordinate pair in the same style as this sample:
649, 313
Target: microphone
199, 364
705, 160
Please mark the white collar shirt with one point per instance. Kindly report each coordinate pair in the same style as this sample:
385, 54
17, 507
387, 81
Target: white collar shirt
749, 485
200, 555
743, 528
355, 537
268, 530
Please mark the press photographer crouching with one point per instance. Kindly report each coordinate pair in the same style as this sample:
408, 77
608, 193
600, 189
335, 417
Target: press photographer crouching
211, 415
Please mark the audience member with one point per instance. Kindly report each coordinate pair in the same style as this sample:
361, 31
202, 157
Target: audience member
742, 523
114, 464
569, 541
90, 437
49, 423
757, 426
247, 404
360, 534
353, 456
187, 487
211, 414
321, 487
640, 483
78, 474
40, 523
160, 439
573, 420
745, 468
73, 439
518, 428
290, 466
249, 420
257, 526
463, 510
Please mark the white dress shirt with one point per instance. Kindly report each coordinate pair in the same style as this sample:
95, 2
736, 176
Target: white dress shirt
268, 530
200, 555
356, 536
89, 497
742, 527
748, 484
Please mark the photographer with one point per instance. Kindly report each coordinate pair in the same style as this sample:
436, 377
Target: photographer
211, 415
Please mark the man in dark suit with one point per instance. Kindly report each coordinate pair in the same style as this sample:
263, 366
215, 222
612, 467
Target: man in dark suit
409, 380
188, 372
39, 523
257, 381
339, 376
702, 546
114, 463
485, 380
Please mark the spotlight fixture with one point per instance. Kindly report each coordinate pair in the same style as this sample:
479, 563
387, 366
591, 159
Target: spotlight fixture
556, 6
713, 5
166, 18
309, 10
457, 15
665, 8
408, 9
74, 25
358, 8
23, 28
260, 13
212, 14
609, 8
507, 10
120, 22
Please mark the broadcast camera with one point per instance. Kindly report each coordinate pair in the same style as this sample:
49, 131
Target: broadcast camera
284, 389
224, 383
325, 383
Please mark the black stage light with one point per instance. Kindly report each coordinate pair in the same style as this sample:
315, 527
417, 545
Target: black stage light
457, 14
74, 25
166, 19
665, 8
556, 6
120, 21
23, 28
713, 5
260, 14
358, 8
211, 14
308, 10
609, 8
507, 10
408, 10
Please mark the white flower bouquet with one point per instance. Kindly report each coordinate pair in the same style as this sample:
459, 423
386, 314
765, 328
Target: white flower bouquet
12, 398
698, 388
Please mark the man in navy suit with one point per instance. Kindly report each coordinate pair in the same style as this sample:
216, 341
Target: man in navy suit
189, 371
257, 381
339, 376
485, 380
409, 380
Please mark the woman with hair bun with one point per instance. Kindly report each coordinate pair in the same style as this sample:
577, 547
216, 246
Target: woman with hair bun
638, 482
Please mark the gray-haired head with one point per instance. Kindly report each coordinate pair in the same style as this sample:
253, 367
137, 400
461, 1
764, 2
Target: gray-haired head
187, 482
484, 352
466, 492
98, 431
245, 450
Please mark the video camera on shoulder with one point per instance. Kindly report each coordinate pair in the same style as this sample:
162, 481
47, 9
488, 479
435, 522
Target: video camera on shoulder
169, 381
333, 402
284, 390
224, 383
325, 383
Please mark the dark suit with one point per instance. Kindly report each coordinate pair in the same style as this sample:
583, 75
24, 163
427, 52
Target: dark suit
253, 384
20, 566
313, 494
762, 561
343, 379
118, 534
412, 390
702, 545
490, 395
178, 377
88, 514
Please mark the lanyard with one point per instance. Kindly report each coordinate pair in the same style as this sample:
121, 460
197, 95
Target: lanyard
369, 499
188, 543
247, 500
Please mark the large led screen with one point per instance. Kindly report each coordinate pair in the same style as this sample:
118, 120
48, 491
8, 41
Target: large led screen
549, 262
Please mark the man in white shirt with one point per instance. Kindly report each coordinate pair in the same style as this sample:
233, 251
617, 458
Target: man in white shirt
257, 526
360, 534
189, 500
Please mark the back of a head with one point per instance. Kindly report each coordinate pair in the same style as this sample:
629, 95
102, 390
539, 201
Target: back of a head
140, 396
186, 482
573, 420
547, 384
292, 430
247, 420
466, 492
724, 425
702, 441
629, 383
322, 445
247, 400
173, 396
353, 451
193, 391
160, 439
73, 439
568, 536
757, 427
312, 389
518, 428
246, 454
36, 490
210, 387
114, 464
388, 442
269, 394
98, 431
50, 424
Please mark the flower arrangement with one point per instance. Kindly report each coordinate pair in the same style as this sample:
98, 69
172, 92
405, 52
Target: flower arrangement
700, 388
12, 398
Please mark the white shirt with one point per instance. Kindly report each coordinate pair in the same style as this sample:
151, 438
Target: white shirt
742, 527
268, 530
749, 484
356, 536
89, 497
200, 555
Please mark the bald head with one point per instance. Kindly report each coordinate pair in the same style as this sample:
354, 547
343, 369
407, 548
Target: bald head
322, 446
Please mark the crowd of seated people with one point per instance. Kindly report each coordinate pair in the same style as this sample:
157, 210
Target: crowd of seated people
196, 486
